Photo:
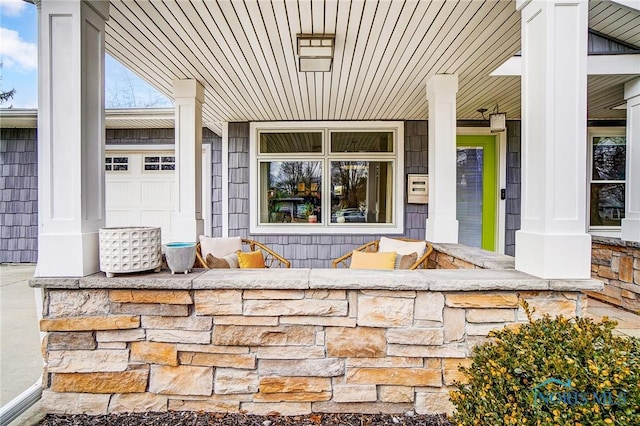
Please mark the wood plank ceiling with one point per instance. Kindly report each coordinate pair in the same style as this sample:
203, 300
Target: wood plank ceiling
244, 52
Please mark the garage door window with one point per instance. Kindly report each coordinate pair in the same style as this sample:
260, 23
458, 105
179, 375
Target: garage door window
116, 164
159, 163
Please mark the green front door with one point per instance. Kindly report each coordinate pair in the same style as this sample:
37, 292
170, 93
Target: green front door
477, 191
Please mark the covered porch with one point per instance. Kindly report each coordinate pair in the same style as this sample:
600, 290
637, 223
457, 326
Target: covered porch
227, 69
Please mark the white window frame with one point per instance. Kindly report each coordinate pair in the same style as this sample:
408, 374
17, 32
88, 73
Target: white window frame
112, 156
595, 132
160, 163
398, 200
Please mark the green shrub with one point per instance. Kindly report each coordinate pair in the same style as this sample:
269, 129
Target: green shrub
552, 371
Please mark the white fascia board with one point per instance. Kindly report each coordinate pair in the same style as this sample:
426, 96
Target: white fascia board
512, 67
596, 65
631, 4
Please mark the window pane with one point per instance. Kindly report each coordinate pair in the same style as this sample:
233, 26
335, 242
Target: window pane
362, 142
607, 204
282, 143
290, 192
151, 159
609, 158
361, 191
469, 195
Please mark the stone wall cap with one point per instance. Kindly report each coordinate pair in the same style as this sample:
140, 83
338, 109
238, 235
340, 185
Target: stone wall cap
352, 279
143, 280
339, 279
477, 256
272, 279
573, 285
49, 282
614, 242
483, 279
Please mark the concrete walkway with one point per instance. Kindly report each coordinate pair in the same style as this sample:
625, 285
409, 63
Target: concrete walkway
20, 358
20, 339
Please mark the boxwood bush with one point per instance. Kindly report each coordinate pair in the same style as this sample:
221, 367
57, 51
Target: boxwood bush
552, 371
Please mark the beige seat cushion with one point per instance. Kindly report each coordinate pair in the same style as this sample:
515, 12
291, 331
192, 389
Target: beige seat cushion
402, 247
219, 247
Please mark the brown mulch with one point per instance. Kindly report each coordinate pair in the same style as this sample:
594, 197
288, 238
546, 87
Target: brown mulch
187, 418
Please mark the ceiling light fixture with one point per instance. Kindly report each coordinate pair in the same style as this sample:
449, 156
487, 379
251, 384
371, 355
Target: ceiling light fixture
497, 120
315, 52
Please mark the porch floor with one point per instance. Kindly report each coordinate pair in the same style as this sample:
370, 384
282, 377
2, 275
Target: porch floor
19, 325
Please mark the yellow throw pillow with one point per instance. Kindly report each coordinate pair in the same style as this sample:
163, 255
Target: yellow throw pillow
251, 259
380, 260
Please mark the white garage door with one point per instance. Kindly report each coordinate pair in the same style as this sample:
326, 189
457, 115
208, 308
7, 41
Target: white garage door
140, 189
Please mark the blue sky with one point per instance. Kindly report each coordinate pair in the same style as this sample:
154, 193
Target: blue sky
19, 57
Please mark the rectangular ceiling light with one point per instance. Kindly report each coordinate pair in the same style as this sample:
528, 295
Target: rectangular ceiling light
315, 52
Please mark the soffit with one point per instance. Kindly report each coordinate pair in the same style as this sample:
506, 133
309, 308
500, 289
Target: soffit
244, 54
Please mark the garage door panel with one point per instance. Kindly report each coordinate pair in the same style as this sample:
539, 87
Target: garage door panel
157, 193
123, 218
161, 218
121, 193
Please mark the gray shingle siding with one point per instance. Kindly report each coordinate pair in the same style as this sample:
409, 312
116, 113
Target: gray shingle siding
140, 136
216, 181
19, 196
316, 251
512, 209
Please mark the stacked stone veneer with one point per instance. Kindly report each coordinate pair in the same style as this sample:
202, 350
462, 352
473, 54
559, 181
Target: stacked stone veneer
617, 264
288, 342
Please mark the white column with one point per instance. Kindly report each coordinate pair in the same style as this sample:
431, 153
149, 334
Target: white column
442, 225
188, 98
70, 136
631, 222
553, 242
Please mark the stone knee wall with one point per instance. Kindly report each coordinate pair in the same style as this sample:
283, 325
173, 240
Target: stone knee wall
269, 351
617, 264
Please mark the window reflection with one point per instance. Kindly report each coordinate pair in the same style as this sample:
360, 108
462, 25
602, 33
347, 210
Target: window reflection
607, 198
291, 192
361, 191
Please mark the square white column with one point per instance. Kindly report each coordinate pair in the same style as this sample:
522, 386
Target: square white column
553, 242
70, 136
631, 222
188, 98
442, 225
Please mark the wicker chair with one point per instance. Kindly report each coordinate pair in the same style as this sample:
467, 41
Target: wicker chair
372, 246
271, 258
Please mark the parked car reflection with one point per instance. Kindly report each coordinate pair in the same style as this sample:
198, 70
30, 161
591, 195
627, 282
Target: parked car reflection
350, 215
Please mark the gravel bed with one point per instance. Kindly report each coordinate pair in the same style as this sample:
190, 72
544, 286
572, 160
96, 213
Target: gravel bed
186, 418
